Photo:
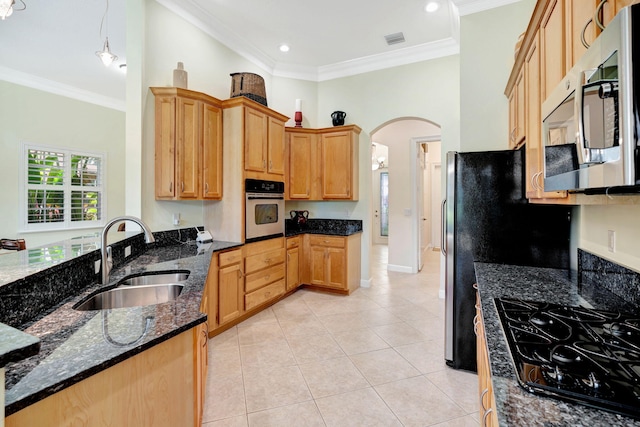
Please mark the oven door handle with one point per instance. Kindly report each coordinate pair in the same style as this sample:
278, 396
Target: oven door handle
265, 198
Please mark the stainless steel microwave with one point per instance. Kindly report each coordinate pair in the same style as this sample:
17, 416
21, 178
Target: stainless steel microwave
590, 120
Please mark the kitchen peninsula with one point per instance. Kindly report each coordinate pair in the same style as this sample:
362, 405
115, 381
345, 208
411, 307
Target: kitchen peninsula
99, 359
152, 351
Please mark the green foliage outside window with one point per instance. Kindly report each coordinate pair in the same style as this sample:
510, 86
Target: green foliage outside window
48, 188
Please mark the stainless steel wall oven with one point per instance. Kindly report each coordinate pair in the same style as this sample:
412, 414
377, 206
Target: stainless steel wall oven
264, 209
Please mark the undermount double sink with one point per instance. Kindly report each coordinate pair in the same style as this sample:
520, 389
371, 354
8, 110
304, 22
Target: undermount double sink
140, 290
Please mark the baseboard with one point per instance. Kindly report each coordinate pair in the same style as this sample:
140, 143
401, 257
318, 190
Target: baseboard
399, 268
366, 283
441, 294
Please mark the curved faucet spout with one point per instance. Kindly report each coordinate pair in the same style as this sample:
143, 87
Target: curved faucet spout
105, 251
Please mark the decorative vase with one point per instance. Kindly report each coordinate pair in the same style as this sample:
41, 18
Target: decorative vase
180, 76
337, 117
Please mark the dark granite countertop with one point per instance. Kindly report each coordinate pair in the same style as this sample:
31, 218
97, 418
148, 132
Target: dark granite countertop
16, 345
514, 405
335, 227
78, 344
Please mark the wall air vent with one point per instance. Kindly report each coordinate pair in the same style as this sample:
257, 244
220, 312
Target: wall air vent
394, 38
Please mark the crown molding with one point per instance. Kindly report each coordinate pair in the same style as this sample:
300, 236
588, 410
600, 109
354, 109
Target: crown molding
408, 55
208, 23
468, 7
29, 80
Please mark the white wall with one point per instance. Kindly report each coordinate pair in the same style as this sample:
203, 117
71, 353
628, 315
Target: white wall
487, 41
596, 221
37, 117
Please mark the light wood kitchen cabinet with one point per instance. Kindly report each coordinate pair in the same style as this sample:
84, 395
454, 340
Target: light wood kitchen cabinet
263, 145
485, 387
293, 262
534, 155
322, 164
299, 166
200, 341
610, 8
517, 113
265, 272
188, 145
339, 165
230, 286
139, 391
332, 262
552, 47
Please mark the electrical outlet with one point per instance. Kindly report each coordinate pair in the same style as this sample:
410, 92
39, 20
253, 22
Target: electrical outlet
127, 251
612, 241
97, 266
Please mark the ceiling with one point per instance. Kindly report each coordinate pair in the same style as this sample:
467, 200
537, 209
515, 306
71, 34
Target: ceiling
51, 44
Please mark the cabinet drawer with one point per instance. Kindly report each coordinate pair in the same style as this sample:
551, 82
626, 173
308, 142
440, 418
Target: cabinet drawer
265, 294
231, 257
328, 241
263, 277
263, 260
293, 242
263, 246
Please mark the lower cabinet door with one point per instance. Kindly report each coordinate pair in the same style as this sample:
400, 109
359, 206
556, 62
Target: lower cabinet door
230, 289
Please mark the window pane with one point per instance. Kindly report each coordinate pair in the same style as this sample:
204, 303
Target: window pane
45, 167
85, 171
45, 206
384, 204
85, 206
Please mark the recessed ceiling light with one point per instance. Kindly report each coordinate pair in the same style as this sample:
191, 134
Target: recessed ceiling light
432, 6
284, 48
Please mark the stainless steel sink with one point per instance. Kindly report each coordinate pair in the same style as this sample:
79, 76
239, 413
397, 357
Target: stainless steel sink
155, 278
132, 296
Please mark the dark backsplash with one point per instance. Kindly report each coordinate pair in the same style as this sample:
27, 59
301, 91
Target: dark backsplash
34, 296
598, 272
340, 227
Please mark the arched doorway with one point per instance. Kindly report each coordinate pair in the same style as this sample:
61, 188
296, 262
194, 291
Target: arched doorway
410, 167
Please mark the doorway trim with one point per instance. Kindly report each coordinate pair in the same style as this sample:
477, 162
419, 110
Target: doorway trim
417, 200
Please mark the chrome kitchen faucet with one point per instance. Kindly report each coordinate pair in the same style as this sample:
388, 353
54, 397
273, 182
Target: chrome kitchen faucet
105, 251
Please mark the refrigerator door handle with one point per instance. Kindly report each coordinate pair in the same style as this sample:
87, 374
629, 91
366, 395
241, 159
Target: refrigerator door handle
443, 227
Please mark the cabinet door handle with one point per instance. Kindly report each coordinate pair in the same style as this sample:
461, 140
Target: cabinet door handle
270, 164
264, 163
484, 392
583, 37
485, 416
206, 188
182, 187
596, 15
171, 187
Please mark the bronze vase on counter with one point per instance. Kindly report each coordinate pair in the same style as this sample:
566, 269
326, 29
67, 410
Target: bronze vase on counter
299, 217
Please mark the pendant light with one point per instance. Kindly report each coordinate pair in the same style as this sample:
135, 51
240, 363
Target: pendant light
105, 54
7, 8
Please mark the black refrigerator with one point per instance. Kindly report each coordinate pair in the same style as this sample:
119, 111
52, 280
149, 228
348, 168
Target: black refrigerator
487, 218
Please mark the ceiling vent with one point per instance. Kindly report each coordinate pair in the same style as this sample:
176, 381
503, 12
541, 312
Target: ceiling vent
394, 38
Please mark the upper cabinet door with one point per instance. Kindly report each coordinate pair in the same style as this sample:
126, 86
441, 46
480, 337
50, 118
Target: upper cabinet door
336, 160
165, 158
255, 140
188, 146
300, 168
211, 152
552, 43
275, 147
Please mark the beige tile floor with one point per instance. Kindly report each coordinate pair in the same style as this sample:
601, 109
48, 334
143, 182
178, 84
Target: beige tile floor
374, 358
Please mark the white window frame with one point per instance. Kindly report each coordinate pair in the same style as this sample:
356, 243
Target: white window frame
66, 187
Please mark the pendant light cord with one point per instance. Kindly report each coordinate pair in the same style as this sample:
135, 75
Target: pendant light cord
105, 17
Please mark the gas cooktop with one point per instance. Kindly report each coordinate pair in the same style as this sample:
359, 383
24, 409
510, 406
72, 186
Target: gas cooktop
582, 355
